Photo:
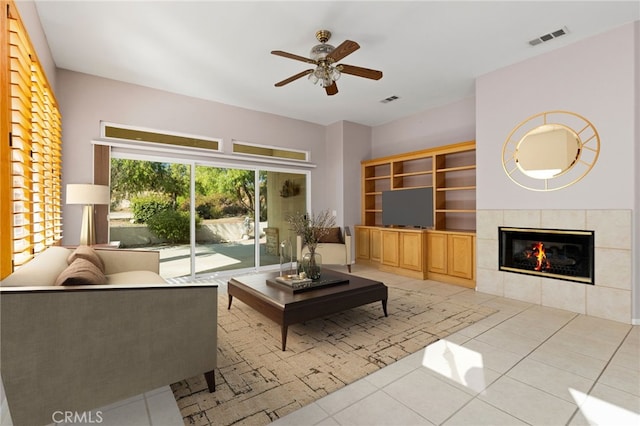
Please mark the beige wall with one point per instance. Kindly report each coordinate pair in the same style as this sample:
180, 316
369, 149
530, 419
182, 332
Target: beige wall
29, 15
87, 100
595, 78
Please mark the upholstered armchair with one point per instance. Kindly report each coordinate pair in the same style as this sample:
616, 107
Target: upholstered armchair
335, 248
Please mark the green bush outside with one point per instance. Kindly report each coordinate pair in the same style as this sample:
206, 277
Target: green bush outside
144, 207
216, 206
171, 225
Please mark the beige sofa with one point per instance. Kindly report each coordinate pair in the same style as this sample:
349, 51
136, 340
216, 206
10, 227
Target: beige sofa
336, 252
76, 348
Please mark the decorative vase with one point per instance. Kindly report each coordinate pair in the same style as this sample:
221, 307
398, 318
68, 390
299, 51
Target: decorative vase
312, 264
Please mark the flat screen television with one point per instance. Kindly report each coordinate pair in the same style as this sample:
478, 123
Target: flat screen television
408, 207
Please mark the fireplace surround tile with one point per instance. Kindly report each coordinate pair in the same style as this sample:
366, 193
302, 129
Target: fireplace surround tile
613, 268
523, 287
563, 219
612, 227
490, 280
609, 303
522, 218
564, 295
487, 222
485, 254
611, 296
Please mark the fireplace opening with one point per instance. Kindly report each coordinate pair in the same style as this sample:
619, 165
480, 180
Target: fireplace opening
553, 253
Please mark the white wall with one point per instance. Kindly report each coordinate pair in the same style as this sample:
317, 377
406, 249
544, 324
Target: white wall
31, 20
636, 183
594, 78
347, 145
598, 79
357, 147
332, 181
86, 100
435, 127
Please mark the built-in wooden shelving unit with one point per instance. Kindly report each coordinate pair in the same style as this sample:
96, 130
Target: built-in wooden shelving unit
450, 170
446, 252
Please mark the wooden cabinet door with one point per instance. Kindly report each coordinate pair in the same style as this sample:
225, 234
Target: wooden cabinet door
375, 245
411, 251
390, 252
437, 253
362, 243
460, 254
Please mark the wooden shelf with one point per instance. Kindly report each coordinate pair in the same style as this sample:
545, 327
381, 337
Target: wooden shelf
413, 174
458, 188
412, 187
449, 170
456, 169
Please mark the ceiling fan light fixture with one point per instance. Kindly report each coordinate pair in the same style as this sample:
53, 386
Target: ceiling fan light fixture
324, 56
325, 74
335, 74
313, 77
320, 51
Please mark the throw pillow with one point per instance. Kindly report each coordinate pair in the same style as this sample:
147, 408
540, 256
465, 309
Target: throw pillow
86, 252
81, 272
334, 236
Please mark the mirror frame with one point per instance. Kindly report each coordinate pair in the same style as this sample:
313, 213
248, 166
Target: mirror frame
587, 155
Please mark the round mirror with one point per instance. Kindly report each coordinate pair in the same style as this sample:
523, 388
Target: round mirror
550, 150
547, 151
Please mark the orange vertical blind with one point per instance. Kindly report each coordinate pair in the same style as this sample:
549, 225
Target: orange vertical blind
35, 150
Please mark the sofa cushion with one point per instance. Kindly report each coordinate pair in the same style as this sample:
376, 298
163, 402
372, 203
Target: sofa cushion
43, 269
81, 272
135, 277
86, 252
334, 236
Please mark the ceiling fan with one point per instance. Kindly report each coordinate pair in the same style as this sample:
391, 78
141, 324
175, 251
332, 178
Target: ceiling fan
324, 56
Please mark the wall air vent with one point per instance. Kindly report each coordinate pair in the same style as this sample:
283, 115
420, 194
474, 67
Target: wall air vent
550, 36
389, 99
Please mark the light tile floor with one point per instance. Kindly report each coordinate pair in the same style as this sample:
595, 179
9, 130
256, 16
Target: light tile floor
526, 364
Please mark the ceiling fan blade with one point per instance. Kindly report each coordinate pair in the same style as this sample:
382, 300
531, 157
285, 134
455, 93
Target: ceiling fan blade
347, 47
292, 56
360, 72
293, 78
332, 90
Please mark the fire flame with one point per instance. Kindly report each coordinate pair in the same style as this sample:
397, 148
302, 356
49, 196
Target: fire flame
541, 257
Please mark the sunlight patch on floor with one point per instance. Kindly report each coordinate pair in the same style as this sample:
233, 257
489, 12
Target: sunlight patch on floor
599, 412
456, 363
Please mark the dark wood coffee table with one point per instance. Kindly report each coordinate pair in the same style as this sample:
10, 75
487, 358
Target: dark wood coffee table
286, 308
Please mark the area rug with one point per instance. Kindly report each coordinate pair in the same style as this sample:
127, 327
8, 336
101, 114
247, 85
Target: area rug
257, 383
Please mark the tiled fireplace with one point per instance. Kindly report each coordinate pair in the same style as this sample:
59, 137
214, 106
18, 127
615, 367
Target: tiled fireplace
583, 264
563, 254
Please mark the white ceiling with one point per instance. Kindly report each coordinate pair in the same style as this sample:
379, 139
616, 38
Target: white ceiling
429, 51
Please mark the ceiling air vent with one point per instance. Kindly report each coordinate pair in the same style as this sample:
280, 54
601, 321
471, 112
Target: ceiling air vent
555, 34
389, 99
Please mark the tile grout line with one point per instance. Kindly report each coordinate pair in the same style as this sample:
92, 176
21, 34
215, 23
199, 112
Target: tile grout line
474, 397
398, 378
595, 382
148, 410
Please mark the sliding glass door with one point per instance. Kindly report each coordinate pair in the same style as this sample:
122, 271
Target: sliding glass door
242, 217
205, 219
151, 209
